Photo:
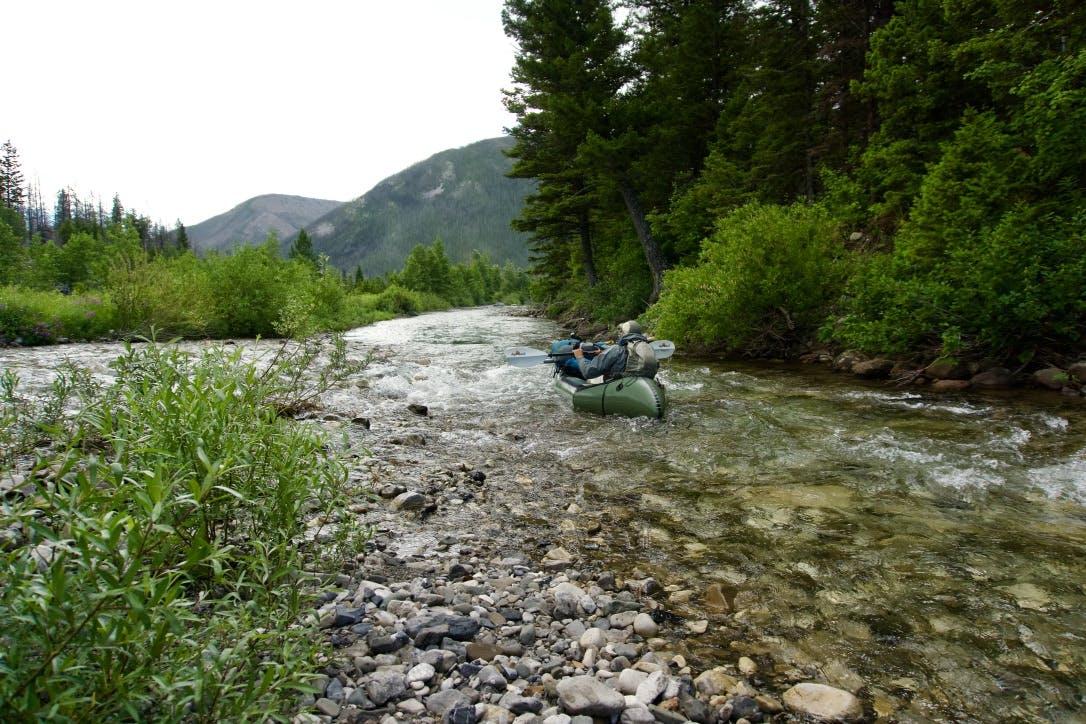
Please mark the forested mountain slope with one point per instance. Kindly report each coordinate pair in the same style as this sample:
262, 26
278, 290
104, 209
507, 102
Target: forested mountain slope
461, 196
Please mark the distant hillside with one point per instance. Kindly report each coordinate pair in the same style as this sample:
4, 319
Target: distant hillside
252, 220
461, 196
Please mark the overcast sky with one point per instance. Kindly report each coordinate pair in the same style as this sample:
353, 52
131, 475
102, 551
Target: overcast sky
186, 109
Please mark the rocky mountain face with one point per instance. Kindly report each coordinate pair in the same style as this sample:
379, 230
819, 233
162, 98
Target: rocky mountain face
251, 221
461, 196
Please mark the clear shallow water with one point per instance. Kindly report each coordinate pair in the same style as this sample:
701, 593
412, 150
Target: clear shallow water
928, 551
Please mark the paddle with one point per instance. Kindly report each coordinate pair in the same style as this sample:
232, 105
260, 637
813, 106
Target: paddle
525, 356
530, 357
663, 348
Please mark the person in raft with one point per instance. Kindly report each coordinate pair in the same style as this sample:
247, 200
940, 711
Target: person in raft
630, 356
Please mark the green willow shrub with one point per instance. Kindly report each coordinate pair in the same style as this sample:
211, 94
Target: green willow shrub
154, 573
171, 296
763, 266
248, 289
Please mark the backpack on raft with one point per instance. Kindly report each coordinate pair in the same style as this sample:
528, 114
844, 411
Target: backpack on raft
640, 360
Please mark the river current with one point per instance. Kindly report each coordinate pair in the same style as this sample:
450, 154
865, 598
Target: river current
927, 551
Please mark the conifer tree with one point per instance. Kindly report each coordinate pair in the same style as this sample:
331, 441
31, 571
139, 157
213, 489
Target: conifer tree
181, 237
567, 71
12, 192
302, 248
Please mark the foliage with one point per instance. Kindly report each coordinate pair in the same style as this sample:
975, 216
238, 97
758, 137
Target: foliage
1018, 287
302, 248
762, 281
169, 296
153, 573
931, 131
31, 317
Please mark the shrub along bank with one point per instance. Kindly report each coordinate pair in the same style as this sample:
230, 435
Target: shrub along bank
109, 286
154, 541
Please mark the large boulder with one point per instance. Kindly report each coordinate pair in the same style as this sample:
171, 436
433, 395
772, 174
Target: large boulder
947, 369
873, 368
589, 696
993, 378
823, 702
1052, 378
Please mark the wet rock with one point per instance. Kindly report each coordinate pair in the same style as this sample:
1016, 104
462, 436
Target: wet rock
557, 559
823, 702
411, 439
588, 696
411, 500
1052, 378
714, 598
715, 681
950, 385
745, 707
844, 361
947, 369
993, 378
1077, 371
873, 368
421, 410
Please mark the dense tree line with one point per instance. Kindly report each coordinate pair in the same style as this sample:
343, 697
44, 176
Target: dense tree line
755, 175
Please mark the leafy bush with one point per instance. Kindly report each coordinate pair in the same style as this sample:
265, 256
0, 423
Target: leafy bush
1019, 286
248, 289
32, 317
153, 573
170, 297
978, 265
762, 281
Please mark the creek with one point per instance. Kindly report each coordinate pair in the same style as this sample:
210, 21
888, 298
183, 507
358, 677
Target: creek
927, 551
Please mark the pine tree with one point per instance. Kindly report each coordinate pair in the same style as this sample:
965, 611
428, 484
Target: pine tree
181, 237
116, 215
567, 71
302, 248
12, 192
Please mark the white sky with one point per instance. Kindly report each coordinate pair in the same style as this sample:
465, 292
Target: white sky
186, 109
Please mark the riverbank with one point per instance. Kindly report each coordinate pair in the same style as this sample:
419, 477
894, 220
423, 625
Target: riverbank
481, 600
1061, 372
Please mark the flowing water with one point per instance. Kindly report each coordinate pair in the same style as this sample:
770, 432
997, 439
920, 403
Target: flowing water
925, 550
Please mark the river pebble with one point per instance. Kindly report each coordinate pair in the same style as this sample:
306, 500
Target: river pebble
452, 615
442, 646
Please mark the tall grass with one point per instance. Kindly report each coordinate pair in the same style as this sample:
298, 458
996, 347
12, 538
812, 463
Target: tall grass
153, 558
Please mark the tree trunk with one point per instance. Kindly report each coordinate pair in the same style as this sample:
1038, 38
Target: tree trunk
653, 256
585, 232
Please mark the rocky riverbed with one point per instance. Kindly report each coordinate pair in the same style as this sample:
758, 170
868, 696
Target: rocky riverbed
488, 594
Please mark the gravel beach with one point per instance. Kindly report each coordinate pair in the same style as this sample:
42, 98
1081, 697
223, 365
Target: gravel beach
487, 594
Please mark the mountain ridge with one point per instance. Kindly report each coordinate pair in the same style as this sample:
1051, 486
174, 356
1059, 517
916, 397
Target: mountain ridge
461, 196
252, 220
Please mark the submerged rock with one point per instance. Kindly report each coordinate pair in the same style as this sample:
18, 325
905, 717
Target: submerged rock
824, 702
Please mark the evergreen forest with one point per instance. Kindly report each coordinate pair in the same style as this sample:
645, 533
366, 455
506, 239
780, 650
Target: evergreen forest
758, 177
